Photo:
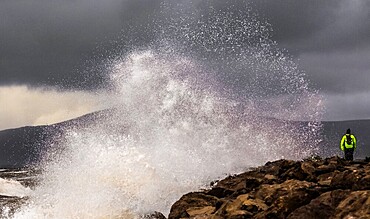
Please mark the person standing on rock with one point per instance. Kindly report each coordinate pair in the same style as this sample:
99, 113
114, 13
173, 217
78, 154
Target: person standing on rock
348, 145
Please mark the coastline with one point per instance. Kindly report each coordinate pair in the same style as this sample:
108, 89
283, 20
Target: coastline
312, 188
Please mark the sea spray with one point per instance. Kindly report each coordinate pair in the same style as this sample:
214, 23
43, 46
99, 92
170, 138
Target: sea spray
179, 119
9, 187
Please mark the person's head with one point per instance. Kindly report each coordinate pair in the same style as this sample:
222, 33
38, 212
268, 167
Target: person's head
348, 131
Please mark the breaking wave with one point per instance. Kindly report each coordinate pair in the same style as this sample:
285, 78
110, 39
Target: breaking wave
9, 187
210, 98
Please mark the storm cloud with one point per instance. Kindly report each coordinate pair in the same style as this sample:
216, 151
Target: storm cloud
23, 106
52, 42
318, 26
62, 43
330, 41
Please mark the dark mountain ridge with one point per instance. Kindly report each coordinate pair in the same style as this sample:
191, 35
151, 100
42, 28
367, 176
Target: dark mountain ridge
21, 147
24, 146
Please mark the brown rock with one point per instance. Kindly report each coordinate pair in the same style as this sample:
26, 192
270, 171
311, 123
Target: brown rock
343, 180
220, 192
278, 167
325, 179
154, 215
317, 208
235, 204
286, 197
278, 190
244, 203
200, 211
270, 177
237, 185
254, 205
308, 168
251, 182
325, 169
321, 207
296, 172
338, 195
363, 183
356, 205
285, 189
239, 214
195, 199
337, 161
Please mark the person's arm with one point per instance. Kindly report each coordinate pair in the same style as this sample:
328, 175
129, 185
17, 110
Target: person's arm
342, 143
354, 142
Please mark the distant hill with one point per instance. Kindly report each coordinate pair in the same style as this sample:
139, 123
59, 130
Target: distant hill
24, 146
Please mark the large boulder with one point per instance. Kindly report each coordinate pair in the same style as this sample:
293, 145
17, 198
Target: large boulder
321, 207
321, 188
356, 205
285, 197
192, 201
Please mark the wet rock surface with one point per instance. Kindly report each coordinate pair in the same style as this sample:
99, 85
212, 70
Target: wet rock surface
313, 188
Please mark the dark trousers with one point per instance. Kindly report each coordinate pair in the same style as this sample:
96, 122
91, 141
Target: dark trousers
348, 153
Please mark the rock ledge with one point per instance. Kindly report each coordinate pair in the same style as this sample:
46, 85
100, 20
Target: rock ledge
313, 188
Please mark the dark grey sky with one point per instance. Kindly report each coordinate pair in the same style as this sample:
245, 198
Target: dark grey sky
53, 43
331, 39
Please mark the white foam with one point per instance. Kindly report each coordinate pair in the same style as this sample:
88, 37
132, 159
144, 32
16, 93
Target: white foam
10, 187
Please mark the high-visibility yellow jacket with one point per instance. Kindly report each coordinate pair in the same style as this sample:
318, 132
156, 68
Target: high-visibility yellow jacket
344, 143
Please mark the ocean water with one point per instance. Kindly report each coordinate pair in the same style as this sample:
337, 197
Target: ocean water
191, 107
15, 187
15, 182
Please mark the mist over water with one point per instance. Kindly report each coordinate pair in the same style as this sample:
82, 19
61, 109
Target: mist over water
193, 106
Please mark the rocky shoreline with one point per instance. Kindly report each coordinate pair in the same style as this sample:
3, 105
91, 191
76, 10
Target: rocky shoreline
312, 188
